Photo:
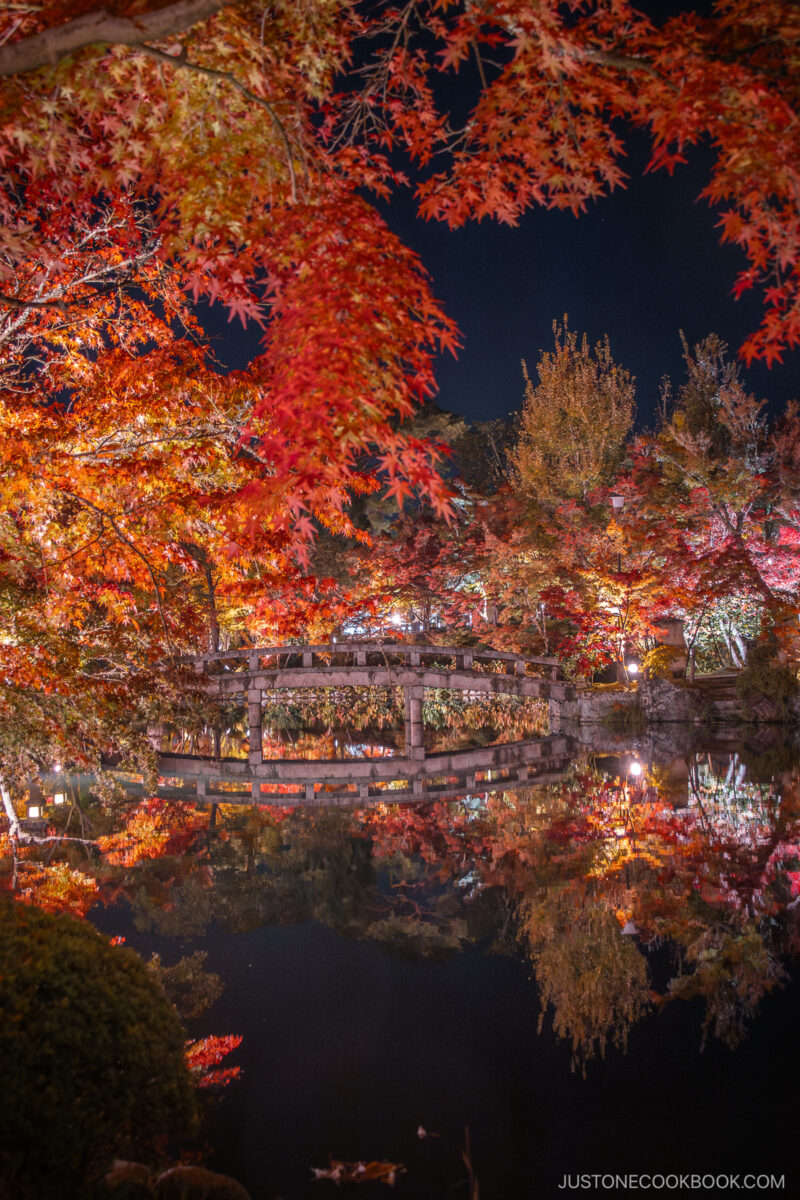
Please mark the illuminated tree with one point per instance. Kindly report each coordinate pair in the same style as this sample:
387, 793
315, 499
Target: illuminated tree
574, 423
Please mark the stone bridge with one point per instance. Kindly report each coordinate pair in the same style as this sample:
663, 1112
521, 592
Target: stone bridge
252, 671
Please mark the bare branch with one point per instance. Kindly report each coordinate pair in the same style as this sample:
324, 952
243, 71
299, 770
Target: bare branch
17, 303
102, 28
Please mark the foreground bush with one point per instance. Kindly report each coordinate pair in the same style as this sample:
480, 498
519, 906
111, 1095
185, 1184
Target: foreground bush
91, 1055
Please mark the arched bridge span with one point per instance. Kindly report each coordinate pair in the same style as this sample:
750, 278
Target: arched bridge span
250, 672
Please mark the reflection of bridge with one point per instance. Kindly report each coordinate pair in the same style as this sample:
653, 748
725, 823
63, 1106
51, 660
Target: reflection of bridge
361, 780
251, 672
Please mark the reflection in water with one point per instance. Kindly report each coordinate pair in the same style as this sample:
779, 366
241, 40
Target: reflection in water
585, 876
625, 891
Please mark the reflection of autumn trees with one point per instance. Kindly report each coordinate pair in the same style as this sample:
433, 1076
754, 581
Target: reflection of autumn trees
358, 722
595, 980
584, 861
588, 877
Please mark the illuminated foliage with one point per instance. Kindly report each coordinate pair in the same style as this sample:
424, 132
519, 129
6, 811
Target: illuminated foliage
574, 421
159, 154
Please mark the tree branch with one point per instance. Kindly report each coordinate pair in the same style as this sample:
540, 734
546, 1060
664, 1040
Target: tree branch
180, 60
101, 28
20, 305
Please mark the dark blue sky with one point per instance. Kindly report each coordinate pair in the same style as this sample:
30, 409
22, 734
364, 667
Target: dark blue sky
640, 266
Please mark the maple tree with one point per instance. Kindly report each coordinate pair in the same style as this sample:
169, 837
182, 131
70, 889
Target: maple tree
704, 492
559, 551
600, 537
147, 494
159, 154
550, 84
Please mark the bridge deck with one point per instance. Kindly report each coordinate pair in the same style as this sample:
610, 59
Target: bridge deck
484, 682
352, 653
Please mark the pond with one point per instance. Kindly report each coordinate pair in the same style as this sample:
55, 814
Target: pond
499, 994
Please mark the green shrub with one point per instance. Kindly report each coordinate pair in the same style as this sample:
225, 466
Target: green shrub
658, 662
762, 674
91, 1055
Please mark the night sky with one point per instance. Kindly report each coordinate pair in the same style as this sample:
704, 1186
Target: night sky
640, 265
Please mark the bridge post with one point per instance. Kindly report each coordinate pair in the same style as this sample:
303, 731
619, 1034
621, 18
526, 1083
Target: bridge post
254, 724
414, 744
155, 732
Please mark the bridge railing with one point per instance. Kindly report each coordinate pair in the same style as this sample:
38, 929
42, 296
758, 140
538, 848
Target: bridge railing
358, 654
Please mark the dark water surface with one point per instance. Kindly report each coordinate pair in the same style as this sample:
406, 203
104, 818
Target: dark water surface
386, 971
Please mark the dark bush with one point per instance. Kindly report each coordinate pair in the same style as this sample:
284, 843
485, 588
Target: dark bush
91, 1055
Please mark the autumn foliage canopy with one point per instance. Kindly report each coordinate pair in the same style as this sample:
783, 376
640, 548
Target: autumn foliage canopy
160, 157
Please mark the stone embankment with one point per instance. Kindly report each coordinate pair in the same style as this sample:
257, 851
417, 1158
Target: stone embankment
709, 699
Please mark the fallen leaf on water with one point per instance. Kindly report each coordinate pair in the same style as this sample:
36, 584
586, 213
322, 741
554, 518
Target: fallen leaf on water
360, 1172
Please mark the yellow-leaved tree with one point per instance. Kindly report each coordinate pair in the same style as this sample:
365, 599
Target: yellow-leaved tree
574, 421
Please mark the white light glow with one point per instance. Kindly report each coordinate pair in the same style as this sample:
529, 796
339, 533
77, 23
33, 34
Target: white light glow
34, 810
635, 768
60, 798
633, 668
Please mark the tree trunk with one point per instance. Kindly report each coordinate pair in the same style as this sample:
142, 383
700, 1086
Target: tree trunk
16, 832
213, 616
